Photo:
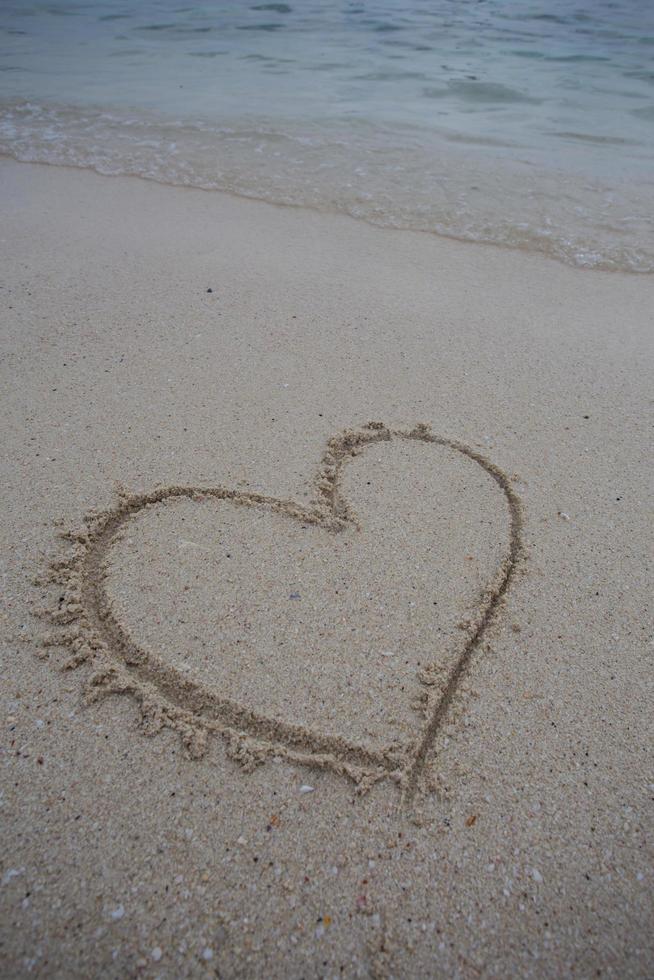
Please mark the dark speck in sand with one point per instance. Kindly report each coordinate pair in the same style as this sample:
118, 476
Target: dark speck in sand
294, 595
209, 290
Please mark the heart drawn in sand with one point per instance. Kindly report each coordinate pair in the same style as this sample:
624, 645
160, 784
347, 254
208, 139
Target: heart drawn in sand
335, 633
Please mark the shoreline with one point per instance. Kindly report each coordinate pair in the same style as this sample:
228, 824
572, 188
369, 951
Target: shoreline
344, 212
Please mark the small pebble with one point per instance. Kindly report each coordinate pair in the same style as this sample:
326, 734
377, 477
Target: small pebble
118, 912
306, 789
156, 954
207, 953
536, 875
11, 873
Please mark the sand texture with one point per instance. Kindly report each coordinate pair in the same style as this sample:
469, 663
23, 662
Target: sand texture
327, 620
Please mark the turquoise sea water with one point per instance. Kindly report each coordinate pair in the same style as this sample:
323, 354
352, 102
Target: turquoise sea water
527, 123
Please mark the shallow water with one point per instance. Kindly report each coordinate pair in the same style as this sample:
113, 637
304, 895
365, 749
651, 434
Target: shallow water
521, 123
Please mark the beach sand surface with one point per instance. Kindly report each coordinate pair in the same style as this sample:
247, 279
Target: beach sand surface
319, 698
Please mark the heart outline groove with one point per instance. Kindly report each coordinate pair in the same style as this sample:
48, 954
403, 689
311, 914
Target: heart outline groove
85, 623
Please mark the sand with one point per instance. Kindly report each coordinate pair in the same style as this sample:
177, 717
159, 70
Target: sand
340, 544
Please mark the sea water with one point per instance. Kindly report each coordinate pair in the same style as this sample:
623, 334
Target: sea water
524, 123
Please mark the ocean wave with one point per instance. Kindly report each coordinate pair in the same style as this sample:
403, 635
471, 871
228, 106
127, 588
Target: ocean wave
396, 177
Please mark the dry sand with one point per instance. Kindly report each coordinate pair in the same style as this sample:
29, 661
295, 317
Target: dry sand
398, 680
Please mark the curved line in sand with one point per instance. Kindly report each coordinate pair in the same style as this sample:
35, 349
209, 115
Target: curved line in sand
167, 699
